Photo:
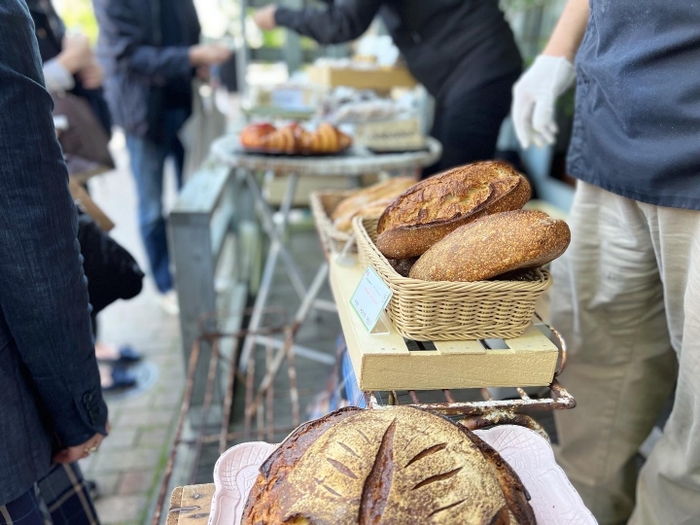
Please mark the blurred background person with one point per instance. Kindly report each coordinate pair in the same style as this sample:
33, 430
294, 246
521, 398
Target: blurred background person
71, 70
150, 51
463, 53
51, 405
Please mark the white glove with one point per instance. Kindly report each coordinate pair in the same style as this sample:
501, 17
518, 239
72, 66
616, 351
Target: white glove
534, 95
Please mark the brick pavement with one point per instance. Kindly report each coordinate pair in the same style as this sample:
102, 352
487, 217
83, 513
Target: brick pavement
129, 465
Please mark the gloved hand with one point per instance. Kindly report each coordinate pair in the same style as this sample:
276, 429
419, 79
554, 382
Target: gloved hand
534, 95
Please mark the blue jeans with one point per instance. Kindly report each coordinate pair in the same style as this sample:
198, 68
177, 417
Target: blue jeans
147, 162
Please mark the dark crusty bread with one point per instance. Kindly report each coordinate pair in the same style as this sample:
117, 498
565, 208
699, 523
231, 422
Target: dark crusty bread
434, 207
494, 245
390, 466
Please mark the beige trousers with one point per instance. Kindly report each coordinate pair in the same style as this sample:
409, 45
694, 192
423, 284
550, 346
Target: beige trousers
627, 301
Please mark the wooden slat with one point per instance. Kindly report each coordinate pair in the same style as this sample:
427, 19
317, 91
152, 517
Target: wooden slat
190, 505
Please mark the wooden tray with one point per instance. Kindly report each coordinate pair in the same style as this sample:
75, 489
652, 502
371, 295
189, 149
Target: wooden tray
386, 361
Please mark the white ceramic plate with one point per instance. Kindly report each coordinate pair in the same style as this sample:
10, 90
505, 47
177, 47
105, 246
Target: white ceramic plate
554, 499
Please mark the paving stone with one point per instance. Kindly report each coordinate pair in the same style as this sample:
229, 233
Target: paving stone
107, 483
126, 460
147, 418
119, 438
119, 509
155, 436
168, 400
136, 482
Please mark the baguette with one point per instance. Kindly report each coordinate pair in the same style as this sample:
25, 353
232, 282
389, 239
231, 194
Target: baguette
372, 210
494, 245
434, 207
370, 201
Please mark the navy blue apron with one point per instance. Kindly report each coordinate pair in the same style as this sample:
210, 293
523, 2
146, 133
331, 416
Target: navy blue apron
637, 119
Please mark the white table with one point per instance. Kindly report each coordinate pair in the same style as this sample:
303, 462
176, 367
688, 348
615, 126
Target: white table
355, 163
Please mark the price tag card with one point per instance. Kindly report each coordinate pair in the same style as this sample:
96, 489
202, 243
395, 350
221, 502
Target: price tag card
370, 298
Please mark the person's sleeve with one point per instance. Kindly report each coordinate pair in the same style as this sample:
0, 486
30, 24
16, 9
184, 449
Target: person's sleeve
43, 291
342, 21
122, 34
57, 77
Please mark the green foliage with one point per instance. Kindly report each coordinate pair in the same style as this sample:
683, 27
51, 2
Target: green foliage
79, 16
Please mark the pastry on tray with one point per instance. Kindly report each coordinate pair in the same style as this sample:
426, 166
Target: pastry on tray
293, 139
391, 466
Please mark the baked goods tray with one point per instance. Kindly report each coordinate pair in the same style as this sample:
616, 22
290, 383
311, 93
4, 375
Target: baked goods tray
239, 149
553, 498
384, 360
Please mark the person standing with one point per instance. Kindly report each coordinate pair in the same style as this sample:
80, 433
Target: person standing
463, 53
150, 52
626, 294
51, 405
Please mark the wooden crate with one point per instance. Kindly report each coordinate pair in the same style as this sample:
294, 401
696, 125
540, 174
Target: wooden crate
383, 361
379, 79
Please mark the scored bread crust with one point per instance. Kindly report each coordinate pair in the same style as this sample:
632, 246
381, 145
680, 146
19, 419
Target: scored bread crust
276, 468
434, 207
390, 188
494, 245
383, 467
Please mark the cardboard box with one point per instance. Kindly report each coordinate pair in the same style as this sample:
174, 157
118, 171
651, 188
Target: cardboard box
378, 79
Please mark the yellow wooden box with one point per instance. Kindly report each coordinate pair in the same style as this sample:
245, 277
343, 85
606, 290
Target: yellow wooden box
383, 361
379, 79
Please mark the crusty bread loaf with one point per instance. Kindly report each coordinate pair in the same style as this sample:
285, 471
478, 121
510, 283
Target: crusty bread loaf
391, 466
369, 202
493, 245
434, 207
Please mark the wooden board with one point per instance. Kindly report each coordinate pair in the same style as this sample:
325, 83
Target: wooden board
190, 505
383, 361
380, 79
82, 199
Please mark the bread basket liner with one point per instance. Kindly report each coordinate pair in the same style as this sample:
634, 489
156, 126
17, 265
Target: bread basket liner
448, 311
322, 205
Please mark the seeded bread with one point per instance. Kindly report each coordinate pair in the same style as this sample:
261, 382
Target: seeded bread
434, 207
494, 245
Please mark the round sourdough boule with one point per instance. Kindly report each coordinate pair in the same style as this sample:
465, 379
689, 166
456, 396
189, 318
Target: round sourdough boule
389, 466
436, 206
494, 245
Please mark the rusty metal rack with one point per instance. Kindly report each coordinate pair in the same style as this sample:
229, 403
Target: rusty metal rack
270, 414
259, 419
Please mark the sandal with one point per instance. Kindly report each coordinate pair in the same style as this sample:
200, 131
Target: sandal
121, 379
127, 356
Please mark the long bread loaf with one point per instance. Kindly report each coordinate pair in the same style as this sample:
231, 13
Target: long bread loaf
494, 245
434, 207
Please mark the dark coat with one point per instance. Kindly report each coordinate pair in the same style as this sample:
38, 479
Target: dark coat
136, 63
50, 393
443, 42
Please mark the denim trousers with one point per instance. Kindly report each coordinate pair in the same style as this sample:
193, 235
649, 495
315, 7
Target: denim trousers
147, 165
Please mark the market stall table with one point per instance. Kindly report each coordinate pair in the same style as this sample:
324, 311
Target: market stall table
354, 163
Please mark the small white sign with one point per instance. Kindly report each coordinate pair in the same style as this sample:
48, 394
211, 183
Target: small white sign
370, 298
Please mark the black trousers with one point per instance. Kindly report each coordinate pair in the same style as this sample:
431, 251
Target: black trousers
467, 123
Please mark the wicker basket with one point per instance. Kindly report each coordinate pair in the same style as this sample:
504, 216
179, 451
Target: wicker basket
322, 205
443, 311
